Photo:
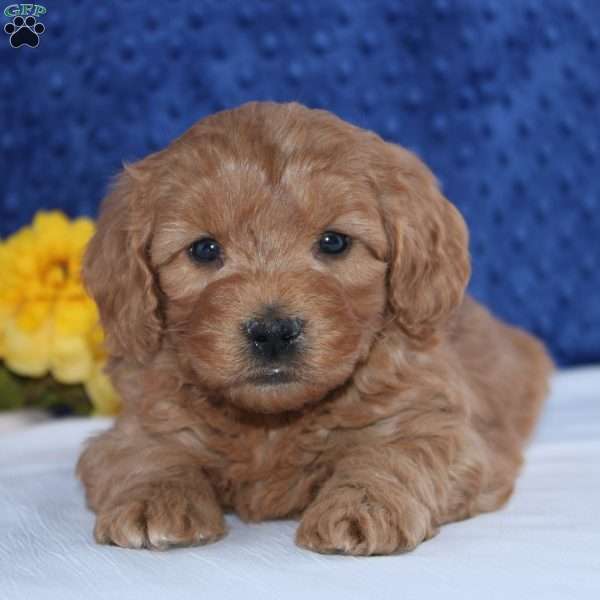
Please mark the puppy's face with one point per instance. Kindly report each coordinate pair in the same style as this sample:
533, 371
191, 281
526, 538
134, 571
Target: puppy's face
260, 250
273, 289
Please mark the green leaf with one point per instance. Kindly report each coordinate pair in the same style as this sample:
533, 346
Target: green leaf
44, 393
12, 394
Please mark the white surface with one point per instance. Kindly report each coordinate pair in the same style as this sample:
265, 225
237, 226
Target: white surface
544, 545
21, 419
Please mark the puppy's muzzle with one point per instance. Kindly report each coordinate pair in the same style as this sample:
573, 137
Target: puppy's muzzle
273, 339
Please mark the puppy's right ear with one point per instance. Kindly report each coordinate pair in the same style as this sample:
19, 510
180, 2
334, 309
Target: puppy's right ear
429, 265
117, 271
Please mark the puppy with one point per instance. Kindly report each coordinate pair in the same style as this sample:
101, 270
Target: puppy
283, 300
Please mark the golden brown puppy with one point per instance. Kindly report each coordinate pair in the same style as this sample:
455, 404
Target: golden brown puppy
283, 299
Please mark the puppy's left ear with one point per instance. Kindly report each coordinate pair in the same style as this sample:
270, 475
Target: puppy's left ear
117, 271
429, 264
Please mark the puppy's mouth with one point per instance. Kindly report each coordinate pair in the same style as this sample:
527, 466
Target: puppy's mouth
272, 376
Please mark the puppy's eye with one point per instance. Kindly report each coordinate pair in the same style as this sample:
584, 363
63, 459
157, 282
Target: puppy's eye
332, 242
205, 250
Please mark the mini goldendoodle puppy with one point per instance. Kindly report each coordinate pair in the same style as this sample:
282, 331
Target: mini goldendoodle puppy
283, 300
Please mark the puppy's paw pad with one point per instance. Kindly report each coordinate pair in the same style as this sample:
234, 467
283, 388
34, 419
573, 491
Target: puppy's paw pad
122, 526
159, 523
354, 524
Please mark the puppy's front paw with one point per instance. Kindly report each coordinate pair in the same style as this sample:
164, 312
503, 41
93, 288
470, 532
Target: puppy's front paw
349, 521
159, 517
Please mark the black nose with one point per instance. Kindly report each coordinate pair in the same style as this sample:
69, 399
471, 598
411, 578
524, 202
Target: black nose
273, 339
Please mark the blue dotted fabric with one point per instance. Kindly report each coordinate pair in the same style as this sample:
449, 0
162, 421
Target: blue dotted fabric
500, 97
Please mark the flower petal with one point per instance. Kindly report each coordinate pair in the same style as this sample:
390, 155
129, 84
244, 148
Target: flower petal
27, 352
104, 397
70, 358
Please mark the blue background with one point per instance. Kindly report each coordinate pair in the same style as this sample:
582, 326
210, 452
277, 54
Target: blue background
501, 98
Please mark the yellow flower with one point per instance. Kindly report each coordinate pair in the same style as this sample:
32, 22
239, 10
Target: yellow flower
102, 394
48, 323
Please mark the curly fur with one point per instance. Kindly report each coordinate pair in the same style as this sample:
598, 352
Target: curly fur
411, 403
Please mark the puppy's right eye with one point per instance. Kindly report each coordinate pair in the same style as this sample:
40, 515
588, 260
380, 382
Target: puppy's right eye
333, 242
205, 250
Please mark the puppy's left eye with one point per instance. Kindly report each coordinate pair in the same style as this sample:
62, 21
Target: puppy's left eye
205, 250
332, 242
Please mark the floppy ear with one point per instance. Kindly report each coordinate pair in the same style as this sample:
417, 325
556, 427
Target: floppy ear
117, 273
429, 264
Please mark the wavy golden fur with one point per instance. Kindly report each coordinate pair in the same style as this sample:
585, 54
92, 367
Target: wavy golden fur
407, 405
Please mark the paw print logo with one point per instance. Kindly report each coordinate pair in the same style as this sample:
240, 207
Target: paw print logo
24, 32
